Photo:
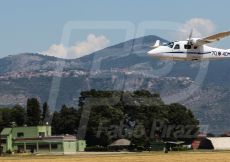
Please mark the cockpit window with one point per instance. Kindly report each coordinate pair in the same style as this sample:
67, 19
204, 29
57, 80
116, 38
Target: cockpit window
170, 44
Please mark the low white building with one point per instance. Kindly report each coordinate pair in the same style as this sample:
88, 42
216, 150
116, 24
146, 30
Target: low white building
220, 143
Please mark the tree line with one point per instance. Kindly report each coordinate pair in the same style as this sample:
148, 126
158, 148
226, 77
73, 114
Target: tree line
140, 116
31, 115
104, 116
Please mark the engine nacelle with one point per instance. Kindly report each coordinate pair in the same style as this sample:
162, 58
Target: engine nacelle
192, 41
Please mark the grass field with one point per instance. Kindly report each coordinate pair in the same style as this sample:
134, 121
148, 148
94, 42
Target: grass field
129, 157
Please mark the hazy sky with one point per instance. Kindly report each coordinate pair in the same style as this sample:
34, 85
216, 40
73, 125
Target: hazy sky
37, 26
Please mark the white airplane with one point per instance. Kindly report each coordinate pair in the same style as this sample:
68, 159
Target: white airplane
191, 49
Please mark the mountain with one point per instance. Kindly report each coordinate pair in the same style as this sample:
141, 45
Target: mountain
202, 86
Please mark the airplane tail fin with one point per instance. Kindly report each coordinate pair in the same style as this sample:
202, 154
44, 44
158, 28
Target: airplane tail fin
157, 44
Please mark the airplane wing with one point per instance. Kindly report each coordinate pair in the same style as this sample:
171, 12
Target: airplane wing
211, 39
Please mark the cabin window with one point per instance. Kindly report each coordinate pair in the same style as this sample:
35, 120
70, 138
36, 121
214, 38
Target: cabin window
187, 46
177, 46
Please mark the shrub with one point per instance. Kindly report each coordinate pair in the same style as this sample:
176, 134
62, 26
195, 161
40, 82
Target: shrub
96, 148
179, 149
9, 152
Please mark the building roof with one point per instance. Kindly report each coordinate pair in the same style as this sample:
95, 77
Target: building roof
49, 138
6, 131
121, 142
202, 135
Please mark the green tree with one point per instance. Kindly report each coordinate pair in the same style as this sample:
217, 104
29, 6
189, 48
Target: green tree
7, 117
57, 127
45, 113
106, 117
186, 125
65, 121
1, 120
33, 112
19, 115
135, 111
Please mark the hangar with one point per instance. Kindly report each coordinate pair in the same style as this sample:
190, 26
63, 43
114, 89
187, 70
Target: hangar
220, 143
212, 143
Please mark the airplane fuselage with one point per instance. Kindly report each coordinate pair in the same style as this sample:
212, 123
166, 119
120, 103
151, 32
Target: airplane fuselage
181, 50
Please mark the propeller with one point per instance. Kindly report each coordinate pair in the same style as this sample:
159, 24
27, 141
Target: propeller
190, 37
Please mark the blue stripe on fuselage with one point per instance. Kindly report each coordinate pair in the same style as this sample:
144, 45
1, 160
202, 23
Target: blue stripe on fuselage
191, 52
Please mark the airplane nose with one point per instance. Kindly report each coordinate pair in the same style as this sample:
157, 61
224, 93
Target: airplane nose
149, 52
152, 52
